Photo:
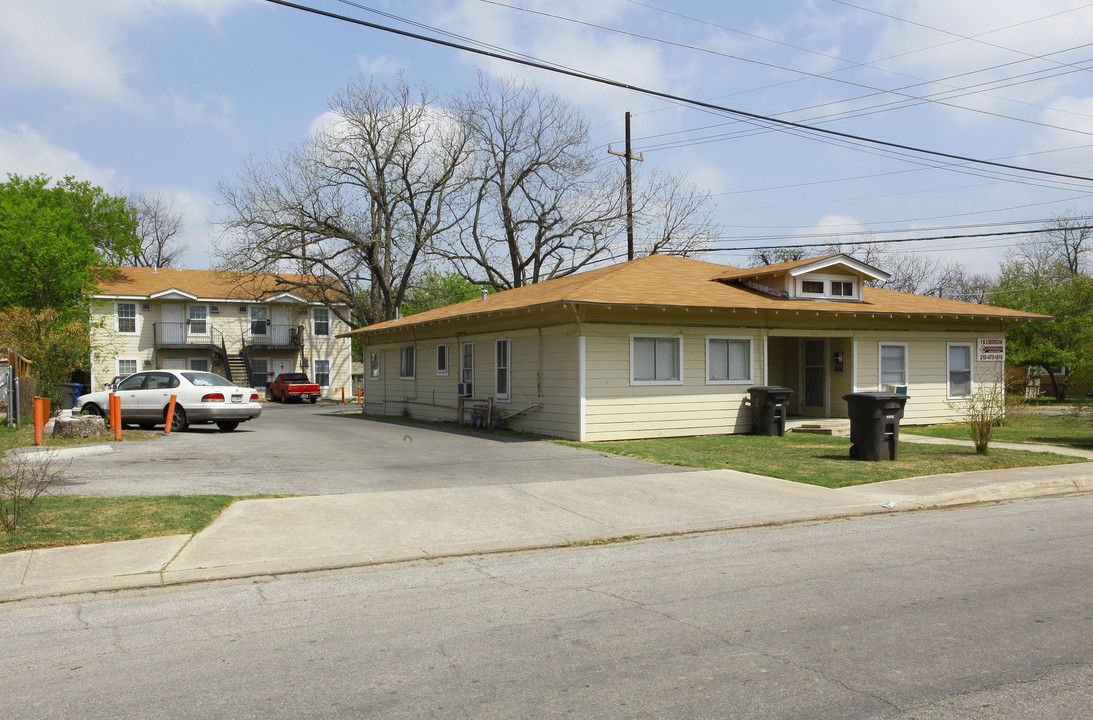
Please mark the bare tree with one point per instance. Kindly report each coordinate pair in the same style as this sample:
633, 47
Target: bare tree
354, 208
673, 218
158, 227
1059, 249
541, 209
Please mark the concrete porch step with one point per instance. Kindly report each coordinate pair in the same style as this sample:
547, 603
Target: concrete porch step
820, 426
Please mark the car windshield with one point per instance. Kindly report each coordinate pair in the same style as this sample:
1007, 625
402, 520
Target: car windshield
294, 377
207, 379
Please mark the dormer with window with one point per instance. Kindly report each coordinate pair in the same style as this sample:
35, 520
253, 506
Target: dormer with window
832, 277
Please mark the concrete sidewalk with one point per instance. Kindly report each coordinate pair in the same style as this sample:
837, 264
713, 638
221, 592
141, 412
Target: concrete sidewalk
268, 537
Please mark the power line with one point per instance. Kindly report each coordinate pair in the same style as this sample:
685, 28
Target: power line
894, 241
755, 117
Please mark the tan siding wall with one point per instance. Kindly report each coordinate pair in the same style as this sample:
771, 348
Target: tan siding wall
617, 409
543, 369
927, 390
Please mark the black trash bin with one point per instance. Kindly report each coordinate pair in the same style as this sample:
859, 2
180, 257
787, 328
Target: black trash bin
768, 409
874, 424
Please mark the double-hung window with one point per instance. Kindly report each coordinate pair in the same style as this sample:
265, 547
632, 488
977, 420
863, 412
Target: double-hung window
198, 317
728, 360
656, 360
320, 322
893, 364
322, 372
441, 360
406, 363
501, 389
127, 318
373, 365
960, 369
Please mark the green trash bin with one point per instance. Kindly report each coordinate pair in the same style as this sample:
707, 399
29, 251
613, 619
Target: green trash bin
874, 424
768, 409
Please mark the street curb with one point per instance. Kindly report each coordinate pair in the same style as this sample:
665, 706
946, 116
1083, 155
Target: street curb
69, 453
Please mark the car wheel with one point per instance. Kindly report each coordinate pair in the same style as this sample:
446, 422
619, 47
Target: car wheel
227, 425
179, 421
282, 398
92, 409
313, 400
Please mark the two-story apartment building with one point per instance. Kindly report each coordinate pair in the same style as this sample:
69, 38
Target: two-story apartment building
244, 327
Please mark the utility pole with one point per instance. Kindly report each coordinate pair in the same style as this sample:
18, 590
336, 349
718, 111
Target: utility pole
628, 156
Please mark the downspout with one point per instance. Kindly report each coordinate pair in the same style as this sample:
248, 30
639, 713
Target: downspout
582, 386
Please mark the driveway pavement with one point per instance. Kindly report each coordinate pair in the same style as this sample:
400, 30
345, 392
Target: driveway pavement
312, 450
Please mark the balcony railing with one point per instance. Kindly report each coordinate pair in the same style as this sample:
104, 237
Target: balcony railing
267, 334
187, 333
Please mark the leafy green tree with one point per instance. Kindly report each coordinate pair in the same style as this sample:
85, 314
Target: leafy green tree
57, 346
1064, 343
433, 289
52, 238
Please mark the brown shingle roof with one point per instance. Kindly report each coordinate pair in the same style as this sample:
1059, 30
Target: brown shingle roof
667, 281
205, 284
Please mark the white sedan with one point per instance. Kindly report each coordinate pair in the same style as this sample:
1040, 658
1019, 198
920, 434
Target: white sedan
200, 397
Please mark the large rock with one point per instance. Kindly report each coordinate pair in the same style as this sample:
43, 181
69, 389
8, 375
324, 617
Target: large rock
81, 426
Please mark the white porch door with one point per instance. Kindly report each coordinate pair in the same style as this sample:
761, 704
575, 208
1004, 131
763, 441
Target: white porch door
281, 366
282, 325
173, 327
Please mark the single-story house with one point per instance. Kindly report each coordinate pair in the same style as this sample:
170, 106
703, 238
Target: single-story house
244, 327
668, 346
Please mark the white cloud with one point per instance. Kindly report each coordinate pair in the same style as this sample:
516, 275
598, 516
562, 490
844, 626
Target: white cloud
198, 212
25, 152
78, 46
213, 110
1064, 151
381, 66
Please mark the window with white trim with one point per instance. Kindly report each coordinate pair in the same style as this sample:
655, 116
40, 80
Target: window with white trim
960, 369
373, 365
441, 360
322, 372
466, 363
126, 366
501, 385
126, 318
199, 364
406, 362
198, 320
728, 360
893, 364
840, 288
320, 322
656, 359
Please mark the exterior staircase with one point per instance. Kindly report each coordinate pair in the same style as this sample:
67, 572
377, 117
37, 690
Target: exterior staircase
238, 370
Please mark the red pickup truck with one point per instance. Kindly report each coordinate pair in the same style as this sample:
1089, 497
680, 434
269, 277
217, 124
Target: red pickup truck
296, 386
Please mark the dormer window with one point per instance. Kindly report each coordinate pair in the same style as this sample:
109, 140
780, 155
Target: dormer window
842, 289
826, 286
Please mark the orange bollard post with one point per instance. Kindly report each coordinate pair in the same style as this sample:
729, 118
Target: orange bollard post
170, 415
343, 394
115, 415
39, 419
359, 397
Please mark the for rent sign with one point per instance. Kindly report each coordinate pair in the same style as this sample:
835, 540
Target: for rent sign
992, 349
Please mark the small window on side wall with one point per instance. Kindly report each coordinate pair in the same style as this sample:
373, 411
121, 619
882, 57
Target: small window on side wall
127, 318
812, 287
322, 372
441, 360
373, 365
406, 363
840, 288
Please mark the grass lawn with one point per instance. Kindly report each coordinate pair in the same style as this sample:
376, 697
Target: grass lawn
24, 437
1071, 430
57, 520
817, 459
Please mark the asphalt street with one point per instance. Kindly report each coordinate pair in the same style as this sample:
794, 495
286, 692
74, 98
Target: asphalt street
982, 612
311, 450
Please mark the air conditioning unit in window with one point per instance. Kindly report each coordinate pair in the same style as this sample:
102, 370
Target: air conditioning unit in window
463, 390
146, 306
214, 308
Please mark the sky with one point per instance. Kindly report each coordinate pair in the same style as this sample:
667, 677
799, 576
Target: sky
174, 96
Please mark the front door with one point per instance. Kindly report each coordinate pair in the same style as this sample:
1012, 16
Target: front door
172, 329
282, 325
815, 379
278, 366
